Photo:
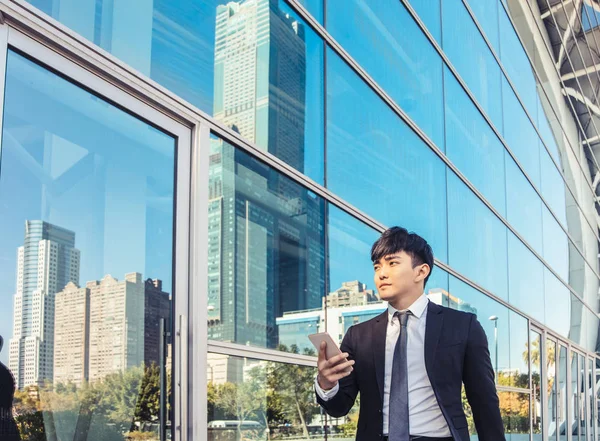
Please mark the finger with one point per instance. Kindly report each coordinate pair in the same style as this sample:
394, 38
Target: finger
337, 377
322, 351
338, 358
341, 367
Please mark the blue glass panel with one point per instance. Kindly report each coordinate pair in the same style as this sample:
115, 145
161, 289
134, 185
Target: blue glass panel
315, 7
493, 316
472, 58
267, 263
520, 135
517, 65
385, 40
402, 182
486, 12
476, 239
525, 279
253, 65
553, 187
578, 329
472, 145
350, 244
523, 205
88, 197
429, 12
556, 246
545, 129
558, 304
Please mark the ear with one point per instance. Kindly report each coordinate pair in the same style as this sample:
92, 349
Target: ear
421, 272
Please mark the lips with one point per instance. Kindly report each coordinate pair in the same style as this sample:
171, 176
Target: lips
384, 286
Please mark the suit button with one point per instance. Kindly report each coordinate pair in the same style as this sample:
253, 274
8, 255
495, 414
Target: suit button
379, 410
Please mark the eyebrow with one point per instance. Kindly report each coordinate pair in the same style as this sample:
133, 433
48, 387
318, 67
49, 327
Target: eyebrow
388, 258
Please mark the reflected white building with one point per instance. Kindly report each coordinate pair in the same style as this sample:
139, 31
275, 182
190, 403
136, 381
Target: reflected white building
46, 263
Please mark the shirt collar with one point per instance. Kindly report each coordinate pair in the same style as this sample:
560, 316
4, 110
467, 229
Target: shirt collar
417, 308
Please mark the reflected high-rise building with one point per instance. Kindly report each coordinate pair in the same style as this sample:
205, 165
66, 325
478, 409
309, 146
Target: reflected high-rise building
265, 256
116, 325
46, 263
71, 335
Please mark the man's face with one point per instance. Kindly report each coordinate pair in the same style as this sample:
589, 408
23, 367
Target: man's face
395, 276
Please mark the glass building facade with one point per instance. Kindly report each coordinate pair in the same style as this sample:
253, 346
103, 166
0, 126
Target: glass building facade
189, 188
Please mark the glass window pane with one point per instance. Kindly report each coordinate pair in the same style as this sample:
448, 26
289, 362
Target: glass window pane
523, 206
516, 63
472, 145
525, 279
429, 12
536, 377
520, 135
315, 7
518, 374
553, 187
556, 245
476, 239
574, 400
472, 58
562, 398
253, 65
514, 409
546, 122
582, 399
252, 399
577, 332
89, 241
558, 304
267, 252
352, 297
486, 12
365, 137
494, 318
385, 40
552, 408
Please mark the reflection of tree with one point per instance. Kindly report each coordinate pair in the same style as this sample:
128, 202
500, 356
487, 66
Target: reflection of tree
292, 389
122, 402
280, 395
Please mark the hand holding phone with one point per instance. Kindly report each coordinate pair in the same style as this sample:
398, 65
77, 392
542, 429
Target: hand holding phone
333, 364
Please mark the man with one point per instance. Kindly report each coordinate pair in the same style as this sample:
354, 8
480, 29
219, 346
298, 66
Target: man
410, 362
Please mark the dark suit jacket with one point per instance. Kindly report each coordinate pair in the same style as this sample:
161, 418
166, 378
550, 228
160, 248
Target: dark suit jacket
456, 352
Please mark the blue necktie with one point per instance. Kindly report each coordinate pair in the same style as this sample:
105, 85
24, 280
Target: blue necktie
398, 413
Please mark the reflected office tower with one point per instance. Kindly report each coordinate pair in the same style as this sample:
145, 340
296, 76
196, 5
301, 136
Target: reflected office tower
157, 305
71, 335
116, 325
265, 253
46, 263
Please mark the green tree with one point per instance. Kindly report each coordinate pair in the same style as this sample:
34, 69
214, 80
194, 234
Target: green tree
292, 387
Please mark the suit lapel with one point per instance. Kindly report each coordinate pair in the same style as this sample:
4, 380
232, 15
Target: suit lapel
433, 330
379, 335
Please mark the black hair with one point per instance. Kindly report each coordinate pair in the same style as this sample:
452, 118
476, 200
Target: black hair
397, 239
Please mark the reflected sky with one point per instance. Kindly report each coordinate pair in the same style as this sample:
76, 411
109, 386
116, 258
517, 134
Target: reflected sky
76, 161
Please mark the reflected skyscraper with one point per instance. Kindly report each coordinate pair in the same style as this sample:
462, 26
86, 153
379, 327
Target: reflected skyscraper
265, 256
46, 263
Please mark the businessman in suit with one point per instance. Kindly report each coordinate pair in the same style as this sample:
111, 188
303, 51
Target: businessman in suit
410, 362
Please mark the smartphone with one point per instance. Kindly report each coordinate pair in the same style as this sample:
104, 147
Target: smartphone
332, 347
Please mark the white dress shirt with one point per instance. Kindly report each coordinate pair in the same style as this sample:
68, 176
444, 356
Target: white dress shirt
425, 416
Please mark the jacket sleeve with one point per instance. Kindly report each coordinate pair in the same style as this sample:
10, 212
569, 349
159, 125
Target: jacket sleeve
340, 404
478, 378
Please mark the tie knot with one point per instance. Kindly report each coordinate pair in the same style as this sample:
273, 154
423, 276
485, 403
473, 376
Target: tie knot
402, 317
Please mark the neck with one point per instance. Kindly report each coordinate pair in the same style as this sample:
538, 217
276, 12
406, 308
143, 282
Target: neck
405, 301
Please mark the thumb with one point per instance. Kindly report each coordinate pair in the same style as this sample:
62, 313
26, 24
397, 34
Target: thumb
322, 350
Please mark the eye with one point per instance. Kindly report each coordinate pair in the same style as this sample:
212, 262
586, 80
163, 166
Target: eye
376, 268
393, 262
